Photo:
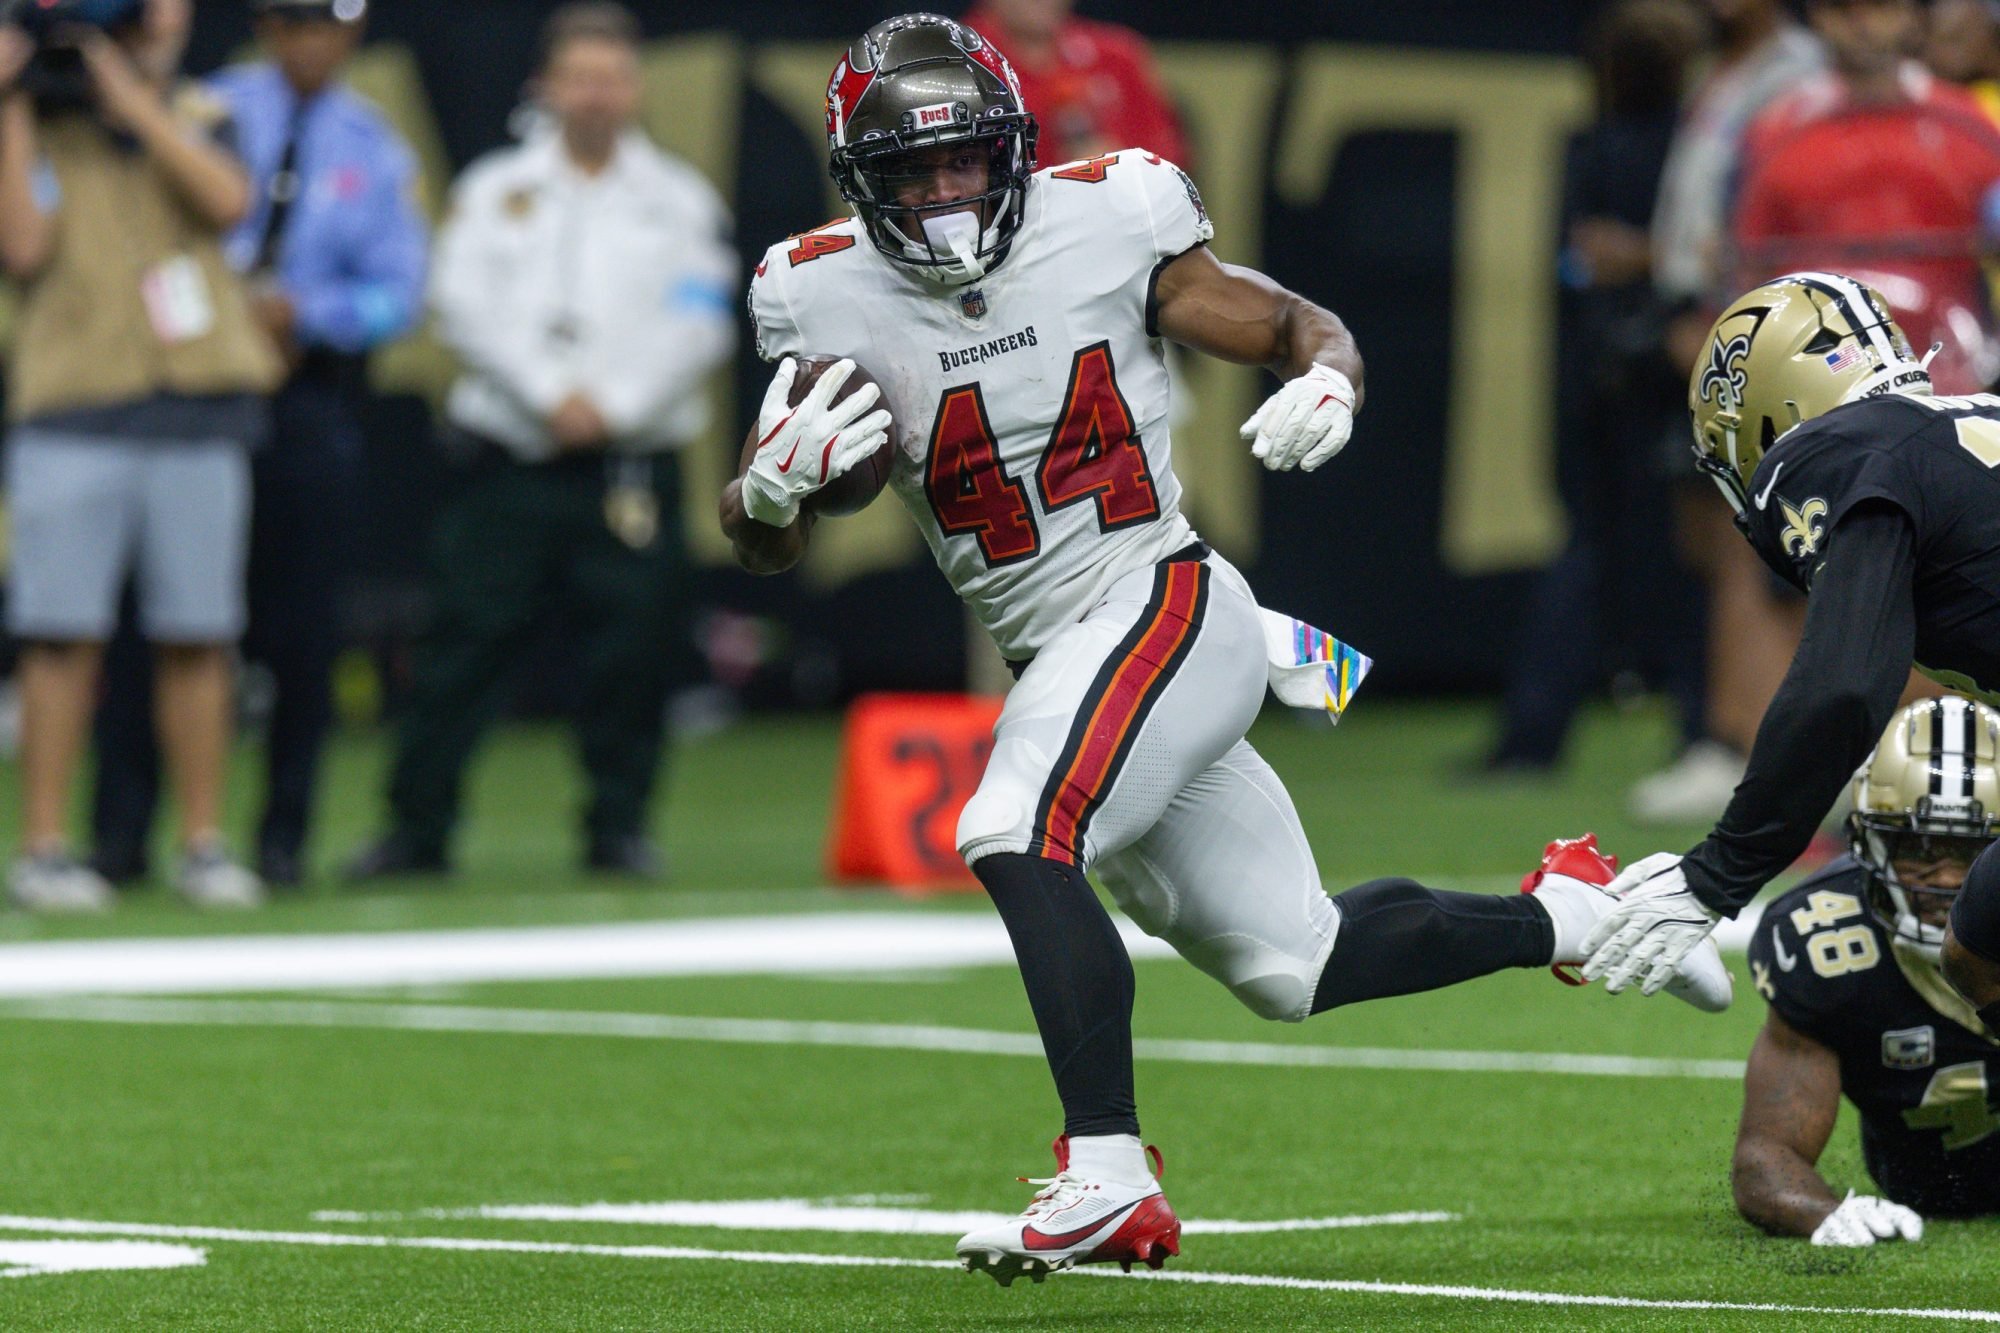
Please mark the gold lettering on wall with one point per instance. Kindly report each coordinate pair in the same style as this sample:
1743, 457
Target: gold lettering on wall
694, 89
1225, 95
1511, 115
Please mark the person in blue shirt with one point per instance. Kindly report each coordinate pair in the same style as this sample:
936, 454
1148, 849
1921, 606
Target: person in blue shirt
335, 251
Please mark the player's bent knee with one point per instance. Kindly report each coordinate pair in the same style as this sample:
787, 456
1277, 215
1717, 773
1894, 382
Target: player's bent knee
992, 821
1280, 997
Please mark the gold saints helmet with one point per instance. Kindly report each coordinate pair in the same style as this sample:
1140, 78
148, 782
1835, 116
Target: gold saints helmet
1785, 352
1926, 800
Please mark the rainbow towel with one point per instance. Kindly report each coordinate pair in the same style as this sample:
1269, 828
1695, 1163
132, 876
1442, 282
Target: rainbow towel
1309, 668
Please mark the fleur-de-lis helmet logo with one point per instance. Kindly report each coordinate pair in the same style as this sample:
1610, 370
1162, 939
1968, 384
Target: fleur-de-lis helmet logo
1725, 371
1805, 527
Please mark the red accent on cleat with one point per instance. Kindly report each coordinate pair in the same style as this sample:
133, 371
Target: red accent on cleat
1151, 1228
1578, 858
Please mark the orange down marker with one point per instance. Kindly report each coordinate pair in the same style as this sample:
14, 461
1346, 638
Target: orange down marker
908, 765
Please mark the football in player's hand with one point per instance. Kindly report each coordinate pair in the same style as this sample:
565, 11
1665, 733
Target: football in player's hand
851, 492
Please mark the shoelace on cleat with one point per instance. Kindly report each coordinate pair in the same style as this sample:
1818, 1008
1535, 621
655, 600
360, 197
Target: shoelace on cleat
1061, 1190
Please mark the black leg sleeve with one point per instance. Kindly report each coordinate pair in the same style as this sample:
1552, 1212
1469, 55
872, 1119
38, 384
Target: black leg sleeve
1079, 983
1398, 937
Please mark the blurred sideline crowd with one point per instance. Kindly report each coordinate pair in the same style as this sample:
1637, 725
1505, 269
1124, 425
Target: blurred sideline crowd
203, 267
1735, 140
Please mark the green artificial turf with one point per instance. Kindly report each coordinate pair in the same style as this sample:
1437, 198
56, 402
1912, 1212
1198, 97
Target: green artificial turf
1601, 1186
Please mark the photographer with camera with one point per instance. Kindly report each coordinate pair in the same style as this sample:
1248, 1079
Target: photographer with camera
334, 252
137, 389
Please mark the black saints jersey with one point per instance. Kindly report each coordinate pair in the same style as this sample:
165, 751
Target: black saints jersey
1914, 1058
1938, 461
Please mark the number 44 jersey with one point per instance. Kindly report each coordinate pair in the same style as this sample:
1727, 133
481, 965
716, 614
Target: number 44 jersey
1914, 1058
1031, 406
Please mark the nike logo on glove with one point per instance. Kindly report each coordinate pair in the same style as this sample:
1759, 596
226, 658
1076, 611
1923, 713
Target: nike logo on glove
786, 466
1765, 497
774, 431
1036, 1240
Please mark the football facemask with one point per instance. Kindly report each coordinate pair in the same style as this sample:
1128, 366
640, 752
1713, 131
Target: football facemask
1924, 807
925, 82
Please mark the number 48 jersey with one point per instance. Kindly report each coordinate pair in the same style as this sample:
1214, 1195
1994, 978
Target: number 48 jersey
1031, 407
1914, 1058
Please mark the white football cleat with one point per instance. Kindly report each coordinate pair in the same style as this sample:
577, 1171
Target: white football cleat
1077, 1221
57, 884
210, 878
1694, 789
1574, 875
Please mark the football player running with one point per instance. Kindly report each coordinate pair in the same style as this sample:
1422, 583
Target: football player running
1849, 961
1016, 321
1882, 503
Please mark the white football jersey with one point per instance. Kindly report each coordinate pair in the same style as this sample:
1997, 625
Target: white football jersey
1030, 407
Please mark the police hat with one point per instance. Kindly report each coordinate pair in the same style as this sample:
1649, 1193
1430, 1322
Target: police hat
340, 11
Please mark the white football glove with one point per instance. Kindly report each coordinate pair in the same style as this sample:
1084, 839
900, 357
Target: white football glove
1863, 1219
1658, 921
800, 449
1305, 423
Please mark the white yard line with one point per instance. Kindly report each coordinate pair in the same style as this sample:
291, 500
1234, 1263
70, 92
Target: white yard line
473, 1244
41, 1258
793, 1215
876, 1036
816, 943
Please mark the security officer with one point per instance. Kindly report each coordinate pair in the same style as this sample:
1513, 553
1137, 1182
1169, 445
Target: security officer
585, 282
335, 252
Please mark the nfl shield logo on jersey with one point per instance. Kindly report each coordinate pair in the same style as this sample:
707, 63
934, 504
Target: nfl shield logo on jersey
973, 303
1909, 1048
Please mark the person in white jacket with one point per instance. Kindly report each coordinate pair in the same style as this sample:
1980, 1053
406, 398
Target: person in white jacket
585, 280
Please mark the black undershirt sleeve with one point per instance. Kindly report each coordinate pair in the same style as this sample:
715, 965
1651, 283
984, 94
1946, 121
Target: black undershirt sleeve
1843, 685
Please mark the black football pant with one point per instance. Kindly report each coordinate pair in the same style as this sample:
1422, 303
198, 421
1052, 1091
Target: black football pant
521, 543
1396, 938
306, 485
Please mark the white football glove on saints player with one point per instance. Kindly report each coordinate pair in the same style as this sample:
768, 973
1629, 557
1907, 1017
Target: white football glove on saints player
800, 449
1863, 1219
1305, 423
1658, 922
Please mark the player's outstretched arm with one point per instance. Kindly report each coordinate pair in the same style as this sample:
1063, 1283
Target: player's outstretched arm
1238, 314
1791, 1094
